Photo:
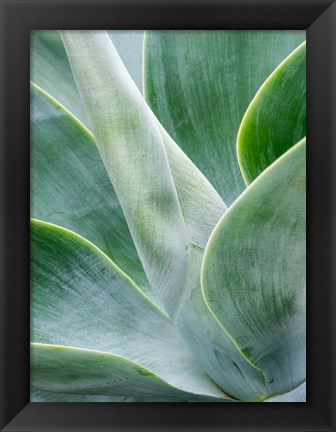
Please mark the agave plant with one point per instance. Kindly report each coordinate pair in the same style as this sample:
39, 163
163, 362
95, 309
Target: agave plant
168, 227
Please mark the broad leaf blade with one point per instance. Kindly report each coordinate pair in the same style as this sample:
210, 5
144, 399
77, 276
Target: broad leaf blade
81, 298
254, 273
78, 371
129, 44
276, 118
70, 187
37, 395
50, 69
214, 350
197, 196
200, 83
296, 395
133, 153
201, 208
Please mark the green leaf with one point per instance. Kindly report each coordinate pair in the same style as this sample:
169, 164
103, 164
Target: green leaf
70, 187
129, 44
100, 76
86, 372
214, 350
276, 117
200, 83
133, 153
50, 69
80, 298
254, 271
210, 345
296, 395
37, 395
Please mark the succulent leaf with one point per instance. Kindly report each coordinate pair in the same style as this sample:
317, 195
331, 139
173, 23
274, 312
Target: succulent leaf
134, 156
70, 186
296, 395
63, 369
37, 395
254, 271
235, 322
80, 298
214, 351
276, 118
50, 69
200, 83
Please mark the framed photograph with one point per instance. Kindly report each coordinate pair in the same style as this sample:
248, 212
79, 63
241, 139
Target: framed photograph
168, 211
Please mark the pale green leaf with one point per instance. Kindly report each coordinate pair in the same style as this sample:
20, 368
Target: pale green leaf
50, 69
133, 153
296, 395
37, 395
214, 350
200, 83
80, 298
276, 117
254, 271
129, 44
70, 187
102, 79
86, 372
201, 208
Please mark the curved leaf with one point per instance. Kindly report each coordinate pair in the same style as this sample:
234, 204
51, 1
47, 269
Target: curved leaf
130, 142
70, 187
129, 44
86, 372
200, 204
50, 69
200, 83
61, 150
37, 395
80, 298
197, 212
254, 272
213, 349
296, 395
276, 117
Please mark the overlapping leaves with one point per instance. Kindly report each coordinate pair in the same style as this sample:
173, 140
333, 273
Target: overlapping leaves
171, 210
200, 83
254, 271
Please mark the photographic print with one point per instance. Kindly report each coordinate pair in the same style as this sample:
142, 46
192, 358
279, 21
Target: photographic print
168, 216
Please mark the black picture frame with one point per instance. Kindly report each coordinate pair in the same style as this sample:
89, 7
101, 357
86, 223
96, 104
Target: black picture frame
18, 17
